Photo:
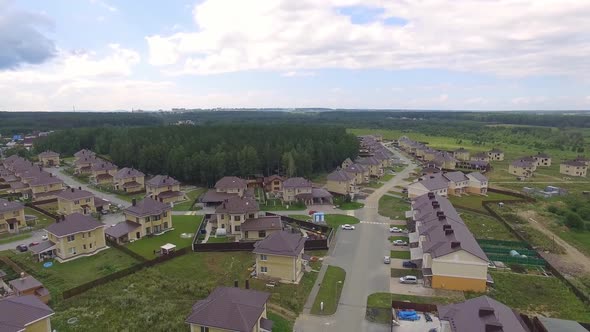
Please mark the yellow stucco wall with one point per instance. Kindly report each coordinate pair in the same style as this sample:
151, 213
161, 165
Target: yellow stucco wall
95, 238
461, 155
120, 182
253, 235
456, 283
572, 170
290, 193
158, 190
339, 187
51, 161
43, 325
17, 214
282, 267
519, 171
66, 207
150, 222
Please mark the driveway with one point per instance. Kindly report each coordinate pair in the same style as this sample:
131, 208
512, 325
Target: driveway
360, 253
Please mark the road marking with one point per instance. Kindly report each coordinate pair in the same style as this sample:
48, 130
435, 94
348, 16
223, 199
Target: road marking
374, 222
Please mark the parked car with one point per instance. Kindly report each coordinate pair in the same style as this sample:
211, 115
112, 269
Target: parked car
22, 247
395, 230
410, 264
312, 212
33, 244
408, 280
400, 243
44, 237
405, 191
387, 260
347, 227
491, 265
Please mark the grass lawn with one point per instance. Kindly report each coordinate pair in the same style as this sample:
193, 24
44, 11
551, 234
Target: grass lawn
63, 276
387, 177
398, 273
188, 204
379, 304
277, 205
336, 220
280, 324
7, 238
42, 219
130, 197
373, 184
300, 216
393, 238
393, 207
329, 292
400, 254
540, 295
220, 239
182, 224
351, 206
484, 227
474, 201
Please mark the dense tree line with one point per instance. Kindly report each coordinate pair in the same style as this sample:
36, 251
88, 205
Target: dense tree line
202, 154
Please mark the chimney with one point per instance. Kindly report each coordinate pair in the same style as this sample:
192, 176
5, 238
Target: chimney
494, 327
134, 202
484, 311
446, 226
79, 188
431, 195
236, 284
455, 244
63, 217
440, 213
442, 217
22, 275
247, 284
72, 189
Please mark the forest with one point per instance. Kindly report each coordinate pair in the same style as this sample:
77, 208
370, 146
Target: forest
203, 154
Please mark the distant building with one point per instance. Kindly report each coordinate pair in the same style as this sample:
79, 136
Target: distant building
129, 180
522, 168
495, 154
461, 154
573, 168
542, 159
49, 158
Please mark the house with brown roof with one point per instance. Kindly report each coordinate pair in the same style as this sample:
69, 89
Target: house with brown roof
279, 257
24, 313
84, 153
297, 189
103, 173
129, 180
372, 164
260, 227
28, 285
225, 188
573, 168
45, 187
480, 156
542, 159
495, 154
341, 182
458, 183
480, 314
347, 162
76, 235
74, 200
234, 211
48, 158
148, 216
83, 165
461, 154
360, 173
522, 167
164, 188
229, 309
449, 255
273, 183
12, 216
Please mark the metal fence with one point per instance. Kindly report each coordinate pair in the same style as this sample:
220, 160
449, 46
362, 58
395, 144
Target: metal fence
502, 243
517, 260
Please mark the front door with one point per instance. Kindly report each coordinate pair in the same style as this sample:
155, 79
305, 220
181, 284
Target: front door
138, 235
166, 225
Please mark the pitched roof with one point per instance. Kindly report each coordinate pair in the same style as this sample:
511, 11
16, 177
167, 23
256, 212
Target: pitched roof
89, 159
456, 176
339, 175
84, 153
24, 284
103, 166
231, 182
19, 311
480, 155
297, 182
48, 154
44, 180
74, 223
73, 194
128, 172
229, 308
212, 196
355, 168
236, 204
435, 182
6, 206
280, 243
121, 228
461, 150
481, 314
560, 325
478, 176
521, 163
262, 224
162, 181
271, 178
574, 163
147, 207
541, 155
367, 161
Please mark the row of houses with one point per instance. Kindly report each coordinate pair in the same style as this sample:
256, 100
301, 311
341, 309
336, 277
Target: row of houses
23, 177
454, 183
525, 167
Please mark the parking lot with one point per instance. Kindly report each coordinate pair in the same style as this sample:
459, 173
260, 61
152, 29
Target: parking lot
418, 326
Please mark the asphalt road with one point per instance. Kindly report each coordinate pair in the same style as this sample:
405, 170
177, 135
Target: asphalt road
360, 253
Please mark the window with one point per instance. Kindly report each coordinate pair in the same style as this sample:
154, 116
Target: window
72, 250
236, 218
251, 215
237, 228
71, 238
89, 234
222, 216
83, 235
204, 329
76, 202
261, 233
165, 214
263, 269
263, 257
91, 246
84, 246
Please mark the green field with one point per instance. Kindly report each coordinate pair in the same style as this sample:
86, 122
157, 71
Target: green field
486, 227
393, 207
373, 184
181, 224
329, 293
474, 201
188, 204
400, 254
277, 205
280, 324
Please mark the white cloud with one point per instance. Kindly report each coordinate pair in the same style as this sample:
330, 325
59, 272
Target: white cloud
508, 37
105, 5
295, 73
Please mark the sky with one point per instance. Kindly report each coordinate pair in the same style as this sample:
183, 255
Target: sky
378, 54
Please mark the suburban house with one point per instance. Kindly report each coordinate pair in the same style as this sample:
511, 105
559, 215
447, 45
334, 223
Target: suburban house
384, 156
83, 165
103, 173
49, 159
84, 153
76, 235
450, 256
225, 188
129, 180
260, 227
542, 159
273, 184
12, 216
45, 187
581, 159
234, 211
478, 183
457, 182
573, 168
480, 156
461, 154
495, 154
296, 190
28, 285
480, 314
434, 183
347, 162
164, 188
373, 165
231, 310
148, 216
25, 313
75, 201
522, 168
341, 182
279, 257
445, 160
360, 173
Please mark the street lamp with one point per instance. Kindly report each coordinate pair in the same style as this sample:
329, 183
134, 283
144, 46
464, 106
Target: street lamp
336, 295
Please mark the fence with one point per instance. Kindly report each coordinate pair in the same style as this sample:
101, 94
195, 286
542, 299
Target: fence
422, 307
503, 243
126, 250
517, 260
123, 273
512, 193
45, 212
249, 246
506, 251
12, 264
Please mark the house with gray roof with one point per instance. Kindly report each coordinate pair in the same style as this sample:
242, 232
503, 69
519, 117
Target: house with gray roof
360, 172
154, 217
24, 313
164, 188
260, 227
296, 189
280, 257
12, 216
129, 180
478, 183
231, 309
542, 159
457, 182
234, 211
573, 168
461, 154
435, 183
74, 236
523, 167
28, 285
48, 158
341, 182
495, 154
74, 200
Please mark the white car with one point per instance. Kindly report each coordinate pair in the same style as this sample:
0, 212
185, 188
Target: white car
44, 237
347, 227
400, 243
408, 280
395, 230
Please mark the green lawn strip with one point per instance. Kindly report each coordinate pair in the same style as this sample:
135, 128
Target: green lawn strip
181, 224
300, 216
398, 273
379, 304
351, 206
393, 207
532, 294
14, 238
277, 205
336, 220
393, 238
131, 197
474, 201
42, 219
484, 227
329, 293
280, 324
387, 177
188, 205
220, 239
374, 184
400, 254
63, 276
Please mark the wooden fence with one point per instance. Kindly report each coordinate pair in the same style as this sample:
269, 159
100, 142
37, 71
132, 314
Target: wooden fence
12, 264
422, 307
126, 250
41, 210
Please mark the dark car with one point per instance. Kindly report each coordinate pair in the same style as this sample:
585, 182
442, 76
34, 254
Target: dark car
409, 264
22, 247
